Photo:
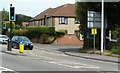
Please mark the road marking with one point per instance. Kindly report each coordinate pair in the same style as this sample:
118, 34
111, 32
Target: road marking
4, 69
73, 66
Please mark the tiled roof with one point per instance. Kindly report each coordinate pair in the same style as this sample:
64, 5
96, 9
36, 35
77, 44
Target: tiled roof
67, 10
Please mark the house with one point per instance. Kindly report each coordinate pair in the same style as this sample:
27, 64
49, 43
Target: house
25, 24
62, 18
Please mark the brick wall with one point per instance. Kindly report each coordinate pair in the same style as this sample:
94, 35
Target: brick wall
68, 39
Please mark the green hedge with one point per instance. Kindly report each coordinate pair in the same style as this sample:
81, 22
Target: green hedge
115, 50
60, 32
38, 31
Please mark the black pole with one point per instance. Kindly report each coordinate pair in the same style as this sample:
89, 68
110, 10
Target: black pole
10, 40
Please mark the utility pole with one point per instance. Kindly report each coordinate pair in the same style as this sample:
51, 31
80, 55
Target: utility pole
102, 29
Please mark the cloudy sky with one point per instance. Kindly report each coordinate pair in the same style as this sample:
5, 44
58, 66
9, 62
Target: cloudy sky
32, 7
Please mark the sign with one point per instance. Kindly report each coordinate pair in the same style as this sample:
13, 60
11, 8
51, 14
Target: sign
94, 20
94, 31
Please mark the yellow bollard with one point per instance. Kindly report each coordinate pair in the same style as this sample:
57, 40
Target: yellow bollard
21, 47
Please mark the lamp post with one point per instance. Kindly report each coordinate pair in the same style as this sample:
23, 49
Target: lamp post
102, 29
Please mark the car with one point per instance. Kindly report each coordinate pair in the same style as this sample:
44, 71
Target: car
16, 40
4, 39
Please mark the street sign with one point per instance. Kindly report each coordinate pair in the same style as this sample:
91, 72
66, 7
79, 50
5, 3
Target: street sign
94, 31
94, 20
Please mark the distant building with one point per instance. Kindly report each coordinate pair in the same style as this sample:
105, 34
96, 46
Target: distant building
62, 18
25, 24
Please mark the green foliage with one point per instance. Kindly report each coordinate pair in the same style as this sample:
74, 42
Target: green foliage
60, 32
38, 31
18, 32
112, 11
116, 50
19, 17
46, 39
22, 18
8, 25
17, 27
5, 15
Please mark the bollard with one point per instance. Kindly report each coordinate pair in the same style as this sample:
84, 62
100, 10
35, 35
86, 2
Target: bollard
21, 47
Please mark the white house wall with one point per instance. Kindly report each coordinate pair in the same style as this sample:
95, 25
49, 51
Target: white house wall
70, 27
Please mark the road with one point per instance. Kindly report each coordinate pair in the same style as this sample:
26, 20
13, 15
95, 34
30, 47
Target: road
50, 58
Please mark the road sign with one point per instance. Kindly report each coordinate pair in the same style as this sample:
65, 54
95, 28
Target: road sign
94, 20
94, 31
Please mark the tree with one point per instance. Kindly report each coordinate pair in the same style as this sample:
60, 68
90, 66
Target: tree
5, 15
112, 12
22, 18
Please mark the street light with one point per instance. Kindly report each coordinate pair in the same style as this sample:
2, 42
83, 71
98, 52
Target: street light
102, 28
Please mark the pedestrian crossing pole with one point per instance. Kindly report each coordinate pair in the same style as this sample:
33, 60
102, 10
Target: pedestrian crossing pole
11, 19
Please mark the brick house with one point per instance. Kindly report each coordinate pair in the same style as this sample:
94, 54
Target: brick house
62, 18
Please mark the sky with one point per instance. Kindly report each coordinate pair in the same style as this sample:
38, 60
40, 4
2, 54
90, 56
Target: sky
32, 7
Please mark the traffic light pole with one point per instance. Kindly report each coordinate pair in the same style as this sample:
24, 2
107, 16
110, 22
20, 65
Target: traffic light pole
10, 40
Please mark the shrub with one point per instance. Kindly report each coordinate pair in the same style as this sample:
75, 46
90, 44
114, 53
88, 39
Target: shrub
17, 27
37, 31
18, 32
59, 33
8, 25
115, 50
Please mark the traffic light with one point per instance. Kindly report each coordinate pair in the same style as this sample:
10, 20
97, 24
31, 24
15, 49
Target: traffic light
12, 14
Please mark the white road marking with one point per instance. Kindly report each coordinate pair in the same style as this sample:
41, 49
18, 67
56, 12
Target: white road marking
4, 69
73, 66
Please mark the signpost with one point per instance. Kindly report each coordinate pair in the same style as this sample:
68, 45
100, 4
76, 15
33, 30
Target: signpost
94, 20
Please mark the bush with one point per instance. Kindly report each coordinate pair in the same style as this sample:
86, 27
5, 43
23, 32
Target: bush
7, 23
17, 27
18, 32
59, 33
115, 50
37, 31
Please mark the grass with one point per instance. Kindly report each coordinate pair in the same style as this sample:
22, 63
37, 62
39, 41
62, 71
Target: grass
113, 52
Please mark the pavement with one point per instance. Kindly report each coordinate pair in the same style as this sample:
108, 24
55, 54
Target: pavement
75, 54
94, 57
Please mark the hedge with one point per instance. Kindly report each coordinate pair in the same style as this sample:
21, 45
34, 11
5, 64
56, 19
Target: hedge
39, 30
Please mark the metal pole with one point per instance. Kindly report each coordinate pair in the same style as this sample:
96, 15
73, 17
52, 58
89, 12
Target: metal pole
10, 36
102, 28
10, 42
94, 32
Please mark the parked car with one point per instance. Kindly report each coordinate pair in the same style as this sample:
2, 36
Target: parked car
16, 40
4, 39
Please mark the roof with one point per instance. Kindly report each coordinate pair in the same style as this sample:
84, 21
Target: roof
67, 10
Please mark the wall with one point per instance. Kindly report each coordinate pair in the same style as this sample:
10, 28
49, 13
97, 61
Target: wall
70, 27
68, 39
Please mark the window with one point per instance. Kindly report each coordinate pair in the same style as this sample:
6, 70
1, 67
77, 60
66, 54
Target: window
77, 21
63, 20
